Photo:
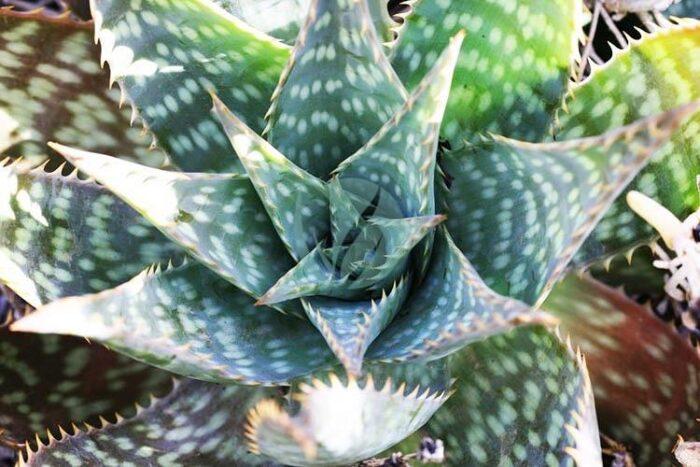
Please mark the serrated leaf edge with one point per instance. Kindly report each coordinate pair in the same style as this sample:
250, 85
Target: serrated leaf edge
270, 411
27, 453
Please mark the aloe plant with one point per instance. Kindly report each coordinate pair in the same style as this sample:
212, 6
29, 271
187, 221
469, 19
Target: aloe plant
338, 230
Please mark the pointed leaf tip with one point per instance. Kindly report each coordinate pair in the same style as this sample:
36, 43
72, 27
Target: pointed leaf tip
210, 215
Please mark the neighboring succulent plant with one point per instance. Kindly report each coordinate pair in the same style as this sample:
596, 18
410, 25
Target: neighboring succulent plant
342, 235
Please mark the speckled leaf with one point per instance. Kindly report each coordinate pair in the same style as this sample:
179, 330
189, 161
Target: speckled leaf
168, 55
513, 68
645, 376
684, 9
278, 18
63, 236
344, 216
283, 18
394, 171
371, 263
340, 422
519, 211
189, 321
51, 381
295, 200
52, 87
636, 273
337, 89
349, 327
218, 218
211, 432
522, 398
451, 308
658, 73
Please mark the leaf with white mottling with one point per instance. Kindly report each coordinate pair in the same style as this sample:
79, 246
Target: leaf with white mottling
374, 259
521, 398
295, 200
283, 18
519, 211
346, 220
657, 73
340, 422
451, 308
337, 90
513, 68
645, 376
210, 434
394, 171
189, 321
168, 55
52, 87
62, 236
51, 381
349, 327
218, 218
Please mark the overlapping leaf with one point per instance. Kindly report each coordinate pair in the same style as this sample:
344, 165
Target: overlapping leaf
52, 87
340, 422
645, 376
337, 90
452, 308
519, 211
278, 18
168, 55
62, 236
51, 381
187, 320
349, 327
295, 200
369, 264
521, 398
211, 433
394, 171
283, 18
655, 74
218, 218
513, 68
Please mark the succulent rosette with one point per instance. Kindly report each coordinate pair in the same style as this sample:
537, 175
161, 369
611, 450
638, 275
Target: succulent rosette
343, 219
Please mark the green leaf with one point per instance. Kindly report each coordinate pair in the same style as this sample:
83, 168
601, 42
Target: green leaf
167, 57
519, 211
345, 218
634, 272
522, 398
396, 167
52, 87
295, 200
655, 74
52, 381
451, 308
189, 321
283, 18
278, 18
513, 68
336, 91
340, 422
372, 262
645, 376
198, 423
350, 327
217, 218
62, 236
